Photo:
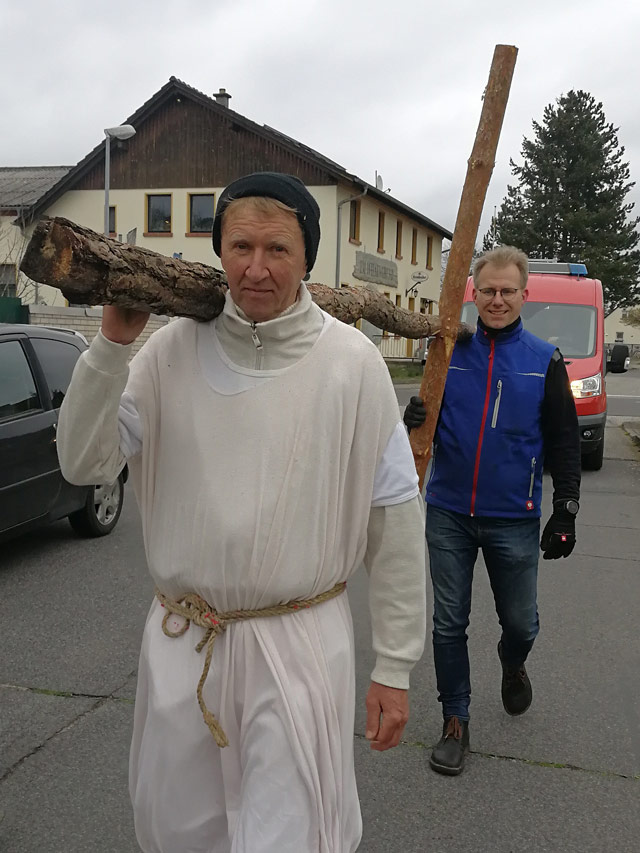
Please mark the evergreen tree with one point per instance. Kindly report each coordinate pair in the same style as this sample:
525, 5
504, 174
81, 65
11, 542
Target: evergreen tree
492, 237
569, 202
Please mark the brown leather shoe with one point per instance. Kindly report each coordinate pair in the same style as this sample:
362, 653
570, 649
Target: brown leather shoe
449, 753
517, 692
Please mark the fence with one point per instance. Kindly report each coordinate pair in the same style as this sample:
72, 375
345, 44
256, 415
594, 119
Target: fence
395, 347
12, 310
84, 320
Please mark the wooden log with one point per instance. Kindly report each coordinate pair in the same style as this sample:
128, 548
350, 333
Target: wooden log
351, 304
92, 269
480, 167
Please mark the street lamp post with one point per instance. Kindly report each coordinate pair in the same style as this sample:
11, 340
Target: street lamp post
123, 131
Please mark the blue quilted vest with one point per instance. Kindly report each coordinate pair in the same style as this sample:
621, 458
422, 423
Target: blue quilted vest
488, 447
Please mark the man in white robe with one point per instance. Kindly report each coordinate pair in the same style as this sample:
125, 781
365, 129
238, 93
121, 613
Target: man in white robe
268, 461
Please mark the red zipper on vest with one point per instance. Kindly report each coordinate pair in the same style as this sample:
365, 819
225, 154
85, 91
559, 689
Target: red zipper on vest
476, 468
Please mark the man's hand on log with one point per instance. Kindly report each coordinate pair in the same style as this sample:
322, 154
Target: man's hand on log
123, 325
387, 715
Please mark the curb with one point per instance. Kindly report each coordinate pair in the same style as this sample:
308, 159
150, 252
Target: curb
632, 428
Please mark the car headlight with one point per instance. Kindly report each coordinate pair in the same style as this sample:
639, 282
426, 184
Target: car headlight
589, 387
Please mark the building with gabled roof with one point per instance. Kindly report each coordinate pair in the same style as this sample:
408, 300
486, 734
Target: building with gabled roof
165, 180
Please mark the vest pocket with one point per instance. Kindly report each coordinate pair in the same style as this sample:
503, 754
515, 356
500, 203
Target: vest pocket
533, 476
496, 407
433, 464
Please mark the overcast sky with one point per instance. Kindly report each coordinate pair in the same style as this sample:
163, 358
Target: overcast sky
390, 86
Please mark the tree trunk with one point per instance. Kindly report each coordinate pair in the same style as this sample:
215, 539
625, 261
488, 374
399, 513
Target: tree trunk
481, 165
92, 269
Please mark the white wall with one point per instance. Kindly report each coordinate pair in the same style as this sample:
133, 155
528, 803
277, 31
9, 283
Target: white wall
369, 208
613, 323
87, 208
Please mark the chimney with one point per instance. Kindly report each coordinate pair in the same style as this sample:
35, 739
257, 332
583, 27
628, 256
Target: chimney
222, 98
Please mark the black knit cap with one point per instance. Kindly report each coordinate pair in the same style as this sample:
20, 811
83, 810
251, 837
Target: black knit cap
285, 188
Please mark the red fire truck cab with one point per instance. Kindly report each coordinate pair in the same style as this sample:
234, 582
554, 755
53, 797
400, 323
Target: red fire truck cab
566, 308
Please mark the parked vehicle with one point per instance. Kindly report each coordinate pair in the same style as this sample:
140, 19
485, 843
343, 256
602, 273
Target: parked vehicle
618, 360
36, 364
566, 308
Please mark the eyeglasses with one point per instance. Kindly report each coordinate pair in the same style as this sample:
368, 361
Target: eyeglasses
506, 292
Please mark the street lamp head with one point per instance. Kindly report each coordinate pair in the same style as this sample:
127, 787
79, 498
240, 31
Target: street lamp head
122, 131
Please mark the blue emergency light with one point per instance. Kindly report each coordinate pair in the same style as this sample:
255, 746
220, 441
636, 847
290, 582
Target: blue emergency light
578, 269
551, 267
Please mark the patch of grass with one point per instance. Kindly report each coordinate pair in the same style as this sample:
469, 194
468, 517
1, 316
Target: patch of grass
44, 692
409, 373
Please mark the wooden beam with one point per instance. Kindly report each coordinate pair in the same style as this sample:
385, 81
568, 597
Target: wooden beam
480, 168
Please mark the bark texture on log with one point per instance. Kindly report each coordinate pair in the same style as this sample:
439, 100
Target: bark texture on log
93, 269
479, 171
351, 304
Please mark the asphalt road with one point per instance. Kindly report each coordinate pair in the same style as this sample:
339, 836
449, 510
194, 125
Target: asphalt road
564, 777
623, 393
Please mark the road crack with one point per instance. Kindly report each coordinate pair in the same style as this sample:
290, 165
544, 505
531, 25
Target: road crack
100, 701
552, 765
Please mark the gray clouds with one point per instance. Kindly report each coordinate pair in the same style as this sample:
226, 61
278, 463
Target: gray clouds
392, 87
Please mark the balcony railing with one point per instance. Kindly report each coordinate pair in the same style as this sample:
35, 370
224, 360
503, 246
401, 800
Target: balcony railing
393, 346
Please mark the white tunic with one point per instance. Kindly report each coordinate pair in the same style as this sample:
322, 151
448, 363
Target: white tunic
253, 493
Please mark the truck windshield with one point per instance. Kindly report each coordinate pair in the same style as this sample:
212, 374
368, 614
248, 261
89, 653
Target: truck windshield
572, 328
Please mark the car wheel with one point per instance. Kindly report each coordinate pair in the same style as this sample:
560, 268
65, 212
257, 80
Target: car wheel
101, 511
593, 461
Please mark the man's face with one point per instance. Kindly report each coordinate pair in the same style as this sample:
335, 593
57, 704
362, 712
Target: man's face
263, 256
498, 311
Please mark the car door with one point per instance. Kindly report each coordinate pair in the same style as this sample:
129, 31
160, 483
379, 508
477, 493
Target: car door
57, 359
29, 471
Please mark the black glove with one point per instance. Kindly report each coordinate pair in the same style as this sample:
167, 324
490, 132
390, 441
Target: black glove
415, 414
559, 535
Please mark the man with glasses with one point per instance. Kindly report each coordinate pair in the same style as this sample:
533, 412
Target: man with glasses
507, 410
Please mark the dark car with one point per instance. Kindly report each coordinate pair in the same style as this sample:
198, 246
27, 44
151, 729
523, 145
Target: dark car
36, 364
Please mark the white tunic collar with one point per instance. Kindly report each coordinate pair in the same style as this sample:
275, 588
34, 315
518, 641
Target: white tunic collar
282, 341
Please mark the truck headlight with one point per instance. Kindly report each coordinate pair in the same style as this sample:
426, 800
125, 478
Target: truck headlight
589, 387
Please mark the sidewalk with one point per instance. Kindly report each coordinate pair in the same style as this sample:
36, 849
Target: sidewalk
632, 428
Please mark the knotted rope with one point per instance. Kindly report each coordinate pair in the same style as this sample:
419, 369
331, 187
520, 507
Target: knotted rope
196, 610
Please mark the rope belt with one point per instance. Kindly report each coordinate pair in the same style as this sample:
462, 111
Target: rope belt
196, 610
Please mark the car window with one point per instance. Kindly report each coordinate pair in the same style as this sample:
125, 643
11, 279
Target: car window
572, 328
57, 360
18, 391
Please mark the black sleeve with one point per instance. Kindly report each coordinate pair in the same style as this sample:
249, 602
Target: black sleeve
560, 431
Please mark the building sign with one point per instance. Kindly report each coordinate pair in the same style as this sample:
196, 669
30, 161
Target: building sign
371, 268
415, 280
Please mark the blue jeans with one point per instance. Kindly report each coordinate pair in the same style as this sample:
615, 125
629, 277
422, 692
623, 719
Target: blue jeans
510, 551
